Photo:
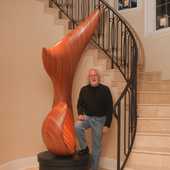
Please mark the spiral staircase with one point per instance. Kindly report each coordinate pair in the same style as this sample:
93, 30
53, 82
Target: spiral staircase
141, 99
138, 95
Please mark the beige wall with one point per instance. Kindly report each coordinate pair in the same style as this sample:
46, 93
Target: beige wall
26, 92
156, 45
25, 89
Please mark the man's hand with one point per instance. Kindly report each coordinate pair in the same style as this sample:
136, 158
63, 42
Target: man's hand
105, 129
82, 117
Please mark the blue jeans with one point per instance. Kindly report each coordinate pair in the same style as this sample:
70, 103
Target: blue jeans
96, 124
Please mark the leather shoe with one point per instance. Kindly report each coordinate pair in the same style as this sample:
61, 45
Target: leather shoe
83, 151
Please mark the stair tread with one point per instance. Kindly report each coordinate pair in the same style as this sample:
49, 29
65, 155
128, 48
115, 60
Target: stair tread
152, 73
155, 81
150, 150
145, 167
150, 104
154, 91
154, 118
156, 131
152, 134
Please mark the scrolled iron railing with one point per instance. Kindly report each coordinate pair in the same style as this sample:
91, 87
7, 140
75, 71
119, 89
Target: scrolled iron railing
119, 42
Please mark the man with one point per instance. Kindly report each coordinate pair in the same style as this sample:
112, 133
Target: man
95, 109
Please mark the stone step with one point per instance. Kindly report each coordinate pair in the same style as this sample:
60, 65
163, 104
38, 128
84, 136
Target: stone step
143, 167
156, 125
119, 85
153, 97
153, 110
149, 76
152, 141
154, 85
113, 75
145, 160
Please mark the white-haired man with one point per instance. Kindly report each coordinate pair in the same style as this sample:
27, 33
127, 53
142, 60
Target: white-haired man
95, 108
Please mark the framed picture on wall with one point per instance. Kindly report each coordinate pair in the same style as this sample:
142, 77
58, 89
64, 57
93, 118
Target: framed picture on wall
162, 14
126, 4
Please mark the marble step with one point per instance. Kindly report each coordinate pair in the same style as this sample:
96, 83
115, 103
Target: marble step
154, 110
153, 97
148, 160
154, 85
149, 76
113, 75
152, 141
156, 125
144, 167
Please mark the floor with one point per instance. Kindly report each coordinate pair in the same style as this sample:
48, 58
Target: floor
38, 169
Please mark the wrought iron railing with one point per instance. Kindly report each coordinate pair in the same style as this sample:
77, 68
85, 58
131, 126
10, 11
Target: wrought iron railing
119, 41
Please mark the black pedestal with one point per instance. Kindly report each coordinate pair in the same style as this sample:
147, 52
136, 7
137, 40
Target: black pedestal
49, 161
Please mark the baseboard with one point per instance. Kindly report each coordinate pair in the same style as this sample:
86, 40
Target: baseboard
31, 162
20, 164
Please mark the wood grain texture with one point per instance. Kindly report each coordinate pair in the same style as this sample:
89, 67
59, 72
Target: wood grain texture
60, 63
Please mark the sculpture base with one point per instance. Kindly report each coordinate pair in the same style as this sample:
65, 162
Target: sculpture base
49, 161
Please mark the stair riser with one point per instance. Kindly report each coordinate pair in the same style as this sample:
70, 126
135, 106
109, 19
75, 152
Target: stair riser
119, 84
161, 126
145, 87
149, 76
114, 76
151, 141
108, 74
153, 98
153, 160
154, 111
153, 86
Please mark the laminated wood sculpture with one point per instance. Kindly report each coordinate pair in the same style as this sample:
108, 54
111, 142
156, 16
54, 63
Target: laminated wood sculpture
60, 63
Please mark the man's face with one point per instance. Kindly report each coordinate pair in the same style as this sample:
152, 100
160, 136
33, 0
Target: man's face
93, 78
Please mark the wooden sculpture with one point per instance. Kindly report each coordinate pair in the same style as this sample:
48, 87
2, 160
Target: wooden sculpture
60, 63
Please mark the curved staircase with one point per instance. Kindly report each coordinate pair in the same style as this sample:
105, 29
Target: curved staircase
151, 149
153, 128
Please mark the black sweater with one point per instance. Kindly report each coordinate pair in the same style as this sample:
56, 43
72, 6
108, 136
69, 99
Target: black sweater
96, 101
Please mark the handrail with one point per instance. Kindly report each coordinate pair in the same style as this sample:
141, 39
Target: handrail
119, 41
